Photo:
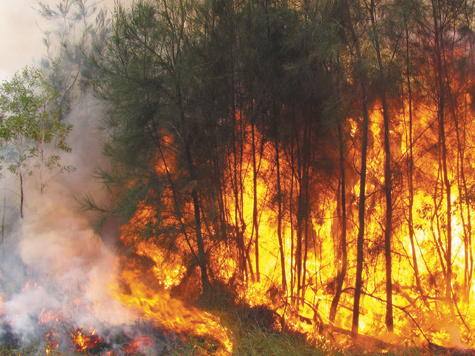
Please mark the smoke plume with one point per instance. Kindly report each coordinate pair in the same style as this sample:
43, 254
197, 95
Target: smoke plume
53, 264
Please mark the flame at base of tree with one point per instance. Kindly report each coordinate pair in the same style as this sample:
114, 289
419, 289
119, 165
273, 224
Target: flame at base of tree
145, 282
304, 302
170, 313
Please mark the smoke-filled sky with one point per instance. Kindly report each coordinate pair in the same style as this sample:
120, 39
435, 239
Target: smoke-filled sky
21, 33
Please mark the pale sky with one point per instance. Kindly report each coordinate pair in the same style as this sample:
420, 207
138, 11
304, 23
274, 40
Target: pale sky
21, 34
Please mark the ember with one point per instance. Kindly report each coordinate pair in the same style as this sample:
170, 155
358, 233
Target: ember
138, 345
51, 343
85, 342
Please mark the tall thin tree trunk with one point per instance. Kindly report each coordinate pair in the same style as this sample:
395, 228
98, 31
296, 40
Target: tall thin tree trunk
279, 201
437, 31
299, 242
303, 211
202, 259
306, 205
342, 248
237, 192
197, 214
389, 217
387, 179
299, 172
255, 217
362, 198
293, 252
22, 192
361, 217
410, 164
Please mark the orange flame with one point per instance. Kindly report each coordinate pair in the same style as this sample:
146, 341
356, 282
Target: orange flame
84, 342
51, 343
171, 313
312, 299
140, 343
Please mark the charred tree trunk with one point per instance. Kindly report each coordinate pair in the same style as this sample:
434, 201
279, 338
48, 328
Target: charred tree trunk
389, 217
387, 176
255, 215
237, 187
303, 212
361, 216
197, 214
176, 203
299, 243
441, 101
410, 163
342, 248
306, 208
279, 201
364, 147
190, 165
293, 242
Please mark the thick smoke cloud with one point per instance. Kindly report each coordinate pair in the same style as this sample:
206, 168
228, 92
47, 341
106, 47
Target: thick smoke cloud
52, 262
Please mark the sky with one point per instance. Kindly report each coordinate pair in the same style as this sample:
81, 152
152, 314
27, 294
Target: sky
21, 34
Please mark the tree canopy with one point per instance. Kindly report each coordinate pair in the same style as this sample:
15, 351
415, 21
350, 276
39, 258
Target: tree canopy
308, 154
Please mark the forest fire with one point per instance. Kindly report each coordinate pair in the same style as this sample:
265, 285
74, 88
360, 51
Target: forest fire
170, 321
293, 168
420, 317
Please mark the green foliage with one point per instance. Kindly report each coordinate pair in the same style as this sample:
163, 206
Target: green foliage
31, 133
29, 121
162, 112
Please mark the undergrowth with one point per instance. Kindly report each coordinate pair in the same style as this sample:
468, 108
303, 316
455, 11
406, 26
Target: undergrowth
252, 343
254, 333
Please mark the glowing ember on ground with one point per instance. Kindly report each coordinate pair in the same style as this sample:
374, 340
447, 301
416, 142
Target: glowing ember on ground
51, 344
139, 344
85, 342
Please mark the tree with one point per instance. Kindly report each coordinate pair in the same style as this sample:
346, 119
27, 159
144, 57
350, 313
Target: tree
152, 84
79, 27
388, 174
363, 81
443, 29
29, 126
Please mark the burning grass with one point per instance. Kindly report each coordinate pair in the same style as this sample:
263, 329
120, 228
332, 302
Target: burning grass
249, 341
253, 330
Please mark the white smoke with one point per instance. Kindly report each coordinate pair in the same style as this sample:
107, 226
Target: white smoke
53, 249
